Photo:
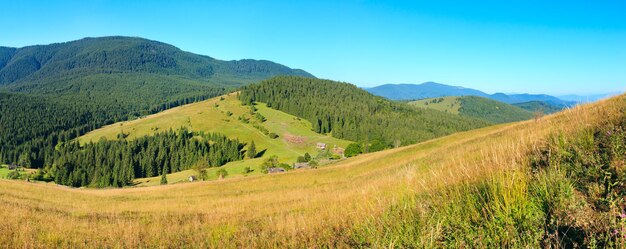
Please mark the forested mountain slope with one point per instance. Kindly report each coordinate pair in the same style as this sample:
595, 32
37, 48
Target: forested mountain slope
34, 67
477, 107
89, 83
351, 113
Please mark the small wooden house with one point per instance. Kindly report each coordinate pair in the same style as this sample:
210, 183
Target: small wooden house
275, 170
13, 166
338, 151
321, 146
192, 178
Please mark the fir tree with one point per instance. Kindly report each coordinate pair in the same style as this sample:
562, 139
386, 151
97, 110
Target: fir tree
164, 177
251, 150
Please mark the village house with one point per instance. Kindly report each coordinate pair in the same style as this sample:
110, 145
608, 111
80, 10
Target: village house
192, 178
304, 165
321, 146
275, 170
338, 150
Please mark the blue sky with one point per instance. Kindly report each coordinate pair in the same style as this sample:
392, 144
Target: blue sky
555, 47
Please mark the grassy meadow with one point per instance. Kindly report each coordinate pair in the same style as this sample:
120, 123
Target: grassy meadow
221, 115
479, 188
476, 107
444, 104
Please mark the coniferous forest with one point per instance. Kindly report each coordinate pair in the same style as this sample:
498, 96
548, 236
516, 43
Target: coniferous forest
32, 125
116, 163
351, 113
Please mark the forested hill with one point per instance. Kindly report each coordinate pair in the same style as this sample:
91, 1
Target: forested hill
56, 92
352, 113
45, 64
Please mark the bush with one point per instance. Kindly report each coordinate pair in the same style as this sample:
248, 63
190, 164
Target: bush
273, 135
244, 119
285, 166
247, 170
122, 135
376, 145
260, 117
221, 173
262, 129
270, 162
353, 149
14, 175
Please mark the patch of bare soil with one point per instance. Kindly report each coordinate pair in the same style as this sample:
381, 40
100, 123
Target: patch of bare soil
293, 139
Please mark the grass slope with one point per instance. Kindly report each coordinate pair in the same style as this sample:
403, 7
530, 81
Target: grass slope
476, 107
359, 202
444, 104
295, 135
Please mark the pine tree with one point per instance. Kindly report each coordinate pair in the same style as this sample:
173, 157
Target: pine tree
251, 150
164, 176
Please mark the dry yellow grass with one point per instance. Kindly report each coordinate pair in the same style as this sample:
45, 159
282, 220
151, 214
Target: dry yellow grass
312, 208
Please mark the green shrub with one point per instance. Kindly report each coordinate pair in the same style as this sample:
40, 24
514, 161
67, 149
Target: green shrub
247, 170
221, 173
14, 175
353, 149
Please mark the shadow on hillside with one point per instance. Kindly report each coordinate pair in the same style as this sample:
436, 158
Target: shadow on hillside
260, 154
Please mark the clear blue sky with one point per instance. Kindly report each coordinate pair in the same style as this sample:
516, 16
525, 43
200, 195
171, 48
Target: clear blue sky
554, 47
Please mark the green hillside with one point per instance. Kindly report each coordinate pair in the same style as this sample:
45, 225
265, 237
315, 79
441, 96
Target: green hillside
348, 112
56, 92
221, 115
444, 104
540, 106
476, 107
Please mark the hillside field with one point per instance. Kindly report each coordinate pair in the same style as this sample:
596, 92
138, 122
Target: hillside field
295, 136
476, 107
405, 197
444, 104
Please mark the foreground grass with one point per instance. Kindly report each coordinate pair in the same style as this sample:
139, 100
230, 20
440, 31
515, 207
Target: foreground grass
410, 196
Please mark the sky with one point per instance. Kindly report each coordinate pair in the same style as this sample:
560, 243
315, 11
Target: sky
554, 47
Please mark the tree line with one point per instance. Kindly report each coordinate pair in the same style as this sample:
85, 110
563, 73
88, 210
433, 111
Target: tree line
116, 163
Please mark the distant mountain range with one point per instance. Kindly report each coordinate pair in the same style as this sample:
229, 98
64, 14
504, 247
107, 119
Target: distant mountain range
587, 98
434, 90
